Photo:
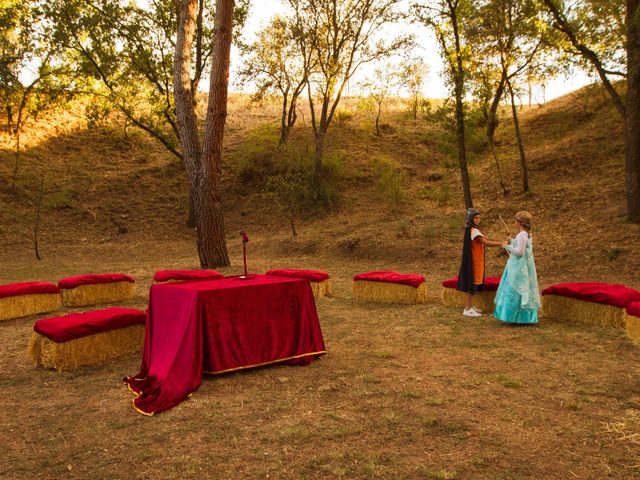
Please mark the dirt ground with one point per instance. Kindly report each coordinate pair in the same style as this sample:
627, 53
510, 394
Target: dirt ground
407, 392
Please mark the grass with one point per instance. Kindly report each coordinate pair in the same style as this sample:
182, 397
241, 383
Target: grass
374, 407
406, 391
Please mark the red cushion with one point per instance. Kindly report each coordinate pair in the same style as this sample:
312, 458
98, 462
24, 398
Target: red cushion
491, 284
76, 325
27, 288
311, 275
93, 279
166, 275
413, 280
633, 309
608, 294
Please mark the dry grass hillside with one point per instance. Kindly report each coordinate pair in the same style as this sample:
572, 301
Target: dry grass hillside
404, 391
397, 197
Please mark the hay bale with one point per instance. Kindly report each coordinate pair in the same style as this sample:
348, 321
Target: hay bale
167, 276
632, 322
28, 298
572, 309
321, 289
90, 289
319, 280
483, 300
89, 350
25, 305
384, 292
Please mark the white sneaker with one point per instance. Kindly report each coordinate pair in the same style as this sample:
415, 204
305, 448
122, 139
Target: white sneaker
470, 312
477, 309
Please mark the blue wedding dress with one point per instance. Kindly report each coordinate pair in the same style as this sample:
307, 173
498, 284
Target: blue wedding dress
517, 299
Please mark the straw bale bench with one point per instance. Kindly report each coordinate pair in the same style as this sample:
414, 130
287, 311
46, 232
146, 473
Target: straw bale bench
185, 275
389, 287
28, 298
89, 338
90, 289
484, 299
319, 280
599, 304
632, 321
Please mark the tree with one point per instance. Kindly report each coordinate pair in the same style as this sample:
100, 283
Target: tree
24, 47
379, 87
602, 33
412, 75
339, 37
632, 124
122, 54
446, 18
275, 65
203, 159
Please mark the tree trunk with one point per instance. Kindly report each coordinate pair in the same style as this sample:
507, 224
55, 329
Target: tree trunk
378, 119
36, 224
17, 162
632, 124
203, 168
284, 124
209, 218
191, 216
462, 151
516, 126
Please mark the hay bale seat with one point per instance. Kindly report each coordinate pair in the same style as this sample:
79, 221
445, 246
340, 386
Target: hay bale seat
484, 299
90, 338
600, 304
390, 287
164, 276
319, 280
90, 289
632, 322
28, 298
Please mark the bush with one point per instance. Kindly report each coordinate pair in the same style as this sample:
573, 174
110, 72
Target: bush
390, 179
342, 116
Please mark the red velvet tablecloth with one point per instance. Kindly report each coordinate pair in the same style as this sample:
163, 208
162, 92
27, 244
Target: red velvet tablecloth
219, 326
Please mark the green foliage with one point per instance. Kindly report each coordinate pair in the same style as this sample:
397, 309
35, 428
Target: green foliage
343, 115
391, 179
444, 139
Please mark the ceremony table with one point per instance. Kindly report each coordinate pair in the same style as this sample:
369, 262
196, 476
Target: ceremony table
222, 325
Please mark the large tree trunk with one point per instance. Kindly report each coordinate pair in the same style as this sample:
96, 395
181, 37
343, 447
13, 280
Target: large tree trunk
516, 126
203, 168
632, 156
17, 162
213, 252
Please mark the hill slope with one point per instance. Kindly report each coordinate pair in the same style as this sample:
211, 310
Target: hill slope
399, 205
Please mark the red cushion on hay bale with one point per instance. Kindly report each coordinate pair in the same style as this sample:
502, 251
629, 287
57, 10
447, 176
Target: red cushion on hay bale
633, 309
491, 284
28, 298
311, 275
319, 280
94, 279
89, 338
609, 294
600, 304
76, 325
632, 322
27, 288
179, 275
390, 287
413, 280
96, 288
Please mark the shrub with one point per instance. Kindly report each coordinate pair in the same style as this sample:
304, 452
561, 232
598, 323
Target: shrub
390, 179
342, 116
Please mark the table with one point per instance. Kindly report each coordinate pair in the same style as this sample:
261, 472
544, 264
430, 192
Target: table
218, 326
